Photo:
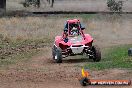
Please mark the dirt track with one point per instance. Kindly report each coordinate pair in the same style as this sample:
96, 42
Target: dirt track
41, 72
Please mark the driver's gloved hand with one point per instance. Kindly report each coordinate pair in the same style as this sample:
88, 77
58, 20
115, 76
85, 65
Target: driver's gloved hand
66, 40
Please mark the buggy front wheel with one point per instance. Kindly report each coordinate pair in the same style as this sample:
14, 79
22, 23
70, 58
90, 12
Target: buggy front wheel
57, 54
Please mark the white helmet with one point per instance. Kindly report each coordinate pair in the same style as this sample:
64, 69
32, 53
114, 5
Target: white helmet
74, 31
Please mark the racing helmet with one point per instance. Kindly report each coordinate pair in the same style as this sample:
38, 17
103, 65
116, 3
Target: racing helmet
74, 31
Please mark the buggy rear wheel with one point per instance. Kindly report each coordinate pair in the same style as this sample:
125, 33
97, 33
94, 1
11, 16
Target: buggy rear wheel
97, 54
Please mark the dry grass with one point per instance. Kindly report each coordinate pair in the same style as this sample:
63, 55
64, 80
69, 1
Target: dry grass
30, 27
110, 28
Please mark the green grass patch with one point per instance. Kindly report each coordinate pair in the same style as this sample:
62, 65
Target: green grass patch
113, 57
14, 51
20, 57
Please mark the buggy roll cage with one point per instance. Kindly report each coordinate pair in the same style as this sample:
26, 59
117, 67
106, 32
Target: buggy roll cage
69, 28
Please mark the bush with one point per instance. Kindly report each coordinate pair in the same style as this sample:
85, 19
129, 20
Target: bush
115, 6
35, 3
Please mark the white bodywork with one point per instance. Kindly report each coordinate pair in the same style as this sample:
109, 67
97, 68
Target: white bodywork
77, 50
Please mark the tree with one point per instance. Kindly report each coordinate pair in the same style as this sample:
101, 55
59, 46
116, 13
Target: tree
51, 2
115, 6
36, 3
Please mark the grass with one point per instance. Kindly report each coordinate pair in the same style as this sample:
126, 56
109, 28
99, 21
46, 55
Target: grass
114, 57
20, 38
83, 16
20, 57
15, 51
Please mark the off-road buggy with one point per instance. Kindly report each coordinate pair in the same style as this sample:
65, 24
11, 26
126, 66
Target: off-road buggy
70, 43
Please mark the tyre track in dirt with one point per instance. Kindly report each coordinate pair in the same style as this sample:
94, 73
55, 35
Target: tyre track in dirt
40, 70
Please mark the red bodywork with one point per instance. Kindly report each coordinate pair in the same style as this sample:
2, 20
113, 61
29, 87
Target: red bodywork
86, 38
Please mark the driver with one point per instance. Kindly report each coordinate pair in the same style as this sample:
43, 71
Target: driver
74, 31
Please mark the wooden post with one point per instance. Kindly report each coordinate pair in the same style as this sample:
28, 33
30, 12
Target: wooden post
2, 7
